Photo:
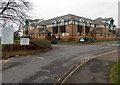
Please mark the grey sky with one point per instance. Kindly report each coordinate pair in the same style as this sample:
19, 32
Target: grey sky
47, 9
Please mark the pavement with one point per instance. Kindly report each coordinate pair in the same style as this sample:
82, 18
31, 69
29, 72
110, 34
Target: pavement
49, 66
95, 71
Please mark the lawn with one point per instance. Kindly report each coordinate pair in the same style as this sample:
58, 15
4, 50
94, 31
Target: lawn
115, 73
76, 42
21, 53
66, 42
97, 41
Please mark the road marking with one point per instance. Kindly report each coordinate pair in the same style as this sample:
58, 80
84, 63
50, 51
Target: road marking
83, 62
113, 44
65, 73
12, 69
4, 61
38, 58
59, 79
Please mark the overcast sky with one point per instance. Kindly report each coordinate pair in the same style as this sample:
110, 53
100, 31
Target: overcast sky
46, 9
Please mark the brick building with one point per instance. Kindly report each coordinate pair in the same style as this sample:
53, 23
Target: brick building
75, 27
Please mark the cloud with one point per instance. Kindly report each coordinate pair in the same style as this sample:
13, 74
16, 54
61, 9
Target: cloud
47, 9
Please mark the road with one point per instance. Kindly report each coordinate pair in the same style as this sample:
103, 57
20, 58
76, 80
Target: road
47, 67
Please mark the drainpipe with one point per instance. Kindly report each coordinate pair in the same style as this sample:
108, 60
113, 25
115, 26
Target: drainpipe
59, 29
72, 30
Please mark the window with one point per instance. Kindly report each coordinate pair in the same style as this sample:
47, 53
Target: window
55, 29
80, 29
95, 25
100, 34
112, 22
70, 22
87, 30
105, 34
62, 22
49, 34
81, 22
54, 23
63, 29
105, 26
79, 33
63, 34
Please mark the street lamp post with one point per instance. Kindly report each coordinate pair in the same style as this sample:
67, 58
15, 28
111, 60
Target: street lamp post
26, 27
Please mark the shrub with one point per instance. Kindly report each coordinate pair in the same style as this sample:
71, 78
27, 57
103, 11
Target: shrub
89, 40
54, 42
41, 43
52, 39
70, 39
35, 44
26, 37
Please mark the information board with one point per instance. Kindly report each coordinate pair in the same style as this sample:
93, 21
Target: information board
24, 41
7, 36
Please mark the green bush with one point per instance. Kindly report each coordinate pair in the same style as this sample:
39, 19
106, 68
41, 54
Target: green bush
70, 39
52, 39
54, 42
35, 44
26, 37
41, 43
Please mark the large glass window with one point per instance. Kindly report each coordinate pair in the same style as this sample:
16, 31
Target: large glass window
63, 29
87, 30
80, 29
62, 22
55, 29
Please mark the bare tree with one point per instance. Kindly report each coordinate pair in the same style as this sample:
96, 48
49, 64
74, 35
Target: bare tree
13, 11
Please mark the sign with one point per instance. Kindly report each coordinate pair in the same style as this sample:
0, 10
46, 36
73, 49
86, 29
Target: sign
63, 34
67, 34
24, 41
57, 37
82, 39
7, 35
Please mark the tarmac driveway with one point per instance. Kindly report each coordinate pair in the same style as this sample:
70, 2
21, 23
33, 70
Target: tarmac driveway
47, 67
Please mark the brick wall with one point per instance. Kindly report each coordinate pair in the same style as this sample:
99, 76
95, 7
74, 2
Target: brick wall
72, 30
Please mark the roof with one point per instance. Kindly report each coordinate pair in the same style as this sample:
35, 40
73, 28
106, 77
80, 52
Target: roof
102, 21
65, 17
34, 22
29, 33
97, 31
110, 33
98, 21
44, 31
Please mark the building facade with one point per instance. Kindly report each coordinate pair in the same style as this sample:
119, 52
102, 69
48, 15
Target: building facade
74, 27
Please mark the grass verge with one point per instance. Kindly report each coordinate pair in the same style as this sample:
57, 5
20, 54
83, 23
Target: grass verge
6, 55
76, 42
66, 42
97, 41
36, 45
115, 73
